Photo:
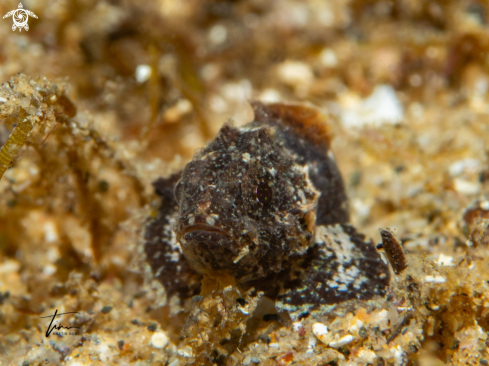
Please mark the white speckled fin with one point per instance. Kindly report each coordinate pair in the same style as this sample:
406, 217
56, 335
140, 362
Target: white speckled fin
341, 266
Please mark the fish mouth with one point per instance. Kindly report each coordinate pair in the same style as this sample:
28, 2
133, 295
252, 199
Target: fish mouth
203, 228
208, 248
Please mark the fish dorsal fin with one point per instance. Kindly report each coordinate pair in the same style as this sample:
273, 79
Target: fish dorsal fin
302, 120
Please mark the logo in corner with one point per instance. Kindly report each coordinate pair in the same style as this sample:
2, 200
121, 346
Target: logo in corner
20, 17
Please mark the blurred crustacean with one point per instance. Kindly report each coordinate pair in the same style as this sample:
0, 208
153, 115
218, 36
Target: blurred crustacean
265, 203
393, 251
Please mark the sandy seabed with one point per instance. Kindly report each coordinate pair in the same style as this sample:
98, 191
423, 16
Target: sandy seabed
111, 95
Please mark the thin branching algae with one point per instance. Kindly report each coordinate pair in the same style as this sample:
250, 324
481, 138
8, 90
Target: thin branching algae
137, 87
27, 103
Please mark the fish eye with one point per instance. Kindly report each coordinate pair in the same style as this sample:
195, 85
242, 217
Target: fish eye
177, 191
263, 193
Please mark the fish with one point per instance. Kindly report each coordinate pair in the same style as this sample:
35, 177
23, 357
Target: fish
265, 203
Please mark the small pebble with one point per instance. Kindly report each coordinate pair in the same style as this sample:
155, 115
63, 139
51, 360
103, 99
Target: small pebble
328, 58
218, 34
464, 165
465, 187
270, 96
382, 106
319, 329
12, 338
143, 72
120, 344
294, 73
24, 102
159, 340
106, 309
444, 260
435, 279
342, 341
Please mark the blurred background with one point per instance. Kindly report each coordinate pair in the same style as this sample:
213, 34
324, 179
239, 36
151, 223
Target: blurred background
403, 82
167, 74
180, 68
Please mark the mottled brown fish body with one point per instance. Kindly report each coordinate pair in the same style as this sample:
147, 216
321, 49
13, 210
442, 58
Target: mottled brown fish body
252, 197
393, 251
265, 203
305, 132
